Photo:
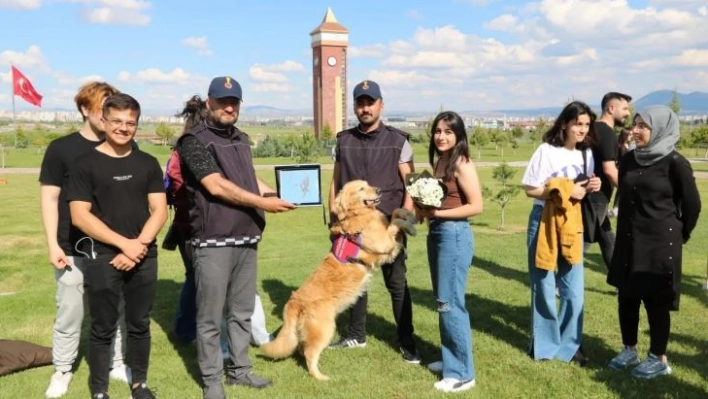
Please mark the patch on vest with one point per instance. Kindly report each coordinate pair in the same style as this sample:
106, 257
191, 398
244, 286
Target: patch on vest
345, 248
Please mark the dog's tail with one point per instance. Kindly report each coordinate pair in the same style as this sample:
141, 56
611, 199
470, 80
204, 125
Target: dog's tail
286, 342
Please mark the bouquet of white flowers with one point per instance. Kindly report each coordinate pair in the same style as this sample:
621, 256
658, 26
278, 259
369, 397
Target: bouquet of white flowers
426, 191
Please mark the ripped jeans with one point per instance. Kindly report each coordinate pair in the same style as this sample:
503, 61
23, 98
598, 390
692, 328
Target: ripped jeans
450, 248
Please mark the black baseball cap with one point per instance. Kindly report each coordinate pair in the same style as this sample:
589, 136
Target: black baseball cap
367, 88
224, 86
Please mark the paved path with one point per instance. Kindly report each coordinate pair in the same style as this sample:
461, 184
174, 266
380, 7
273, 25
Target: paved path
419, 166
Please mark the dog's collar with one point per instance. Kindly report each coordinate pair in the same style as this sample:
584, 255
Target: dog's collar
356, 260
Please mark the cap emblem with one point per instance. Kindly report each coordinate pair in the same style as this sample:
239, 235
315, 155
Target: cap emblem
365, 85
228, 84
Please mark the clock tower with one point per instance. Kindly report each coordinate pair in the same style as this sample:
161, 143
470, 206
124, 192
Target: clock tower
329, 74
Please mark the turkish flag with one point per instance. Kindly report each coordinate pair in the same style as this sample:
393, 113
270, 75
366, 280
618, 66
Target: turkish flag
21, 86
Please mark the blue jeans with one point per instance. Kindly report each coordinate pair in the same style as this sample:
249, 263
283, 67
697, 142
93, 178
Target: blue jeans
186, 317
450, 248
554, 334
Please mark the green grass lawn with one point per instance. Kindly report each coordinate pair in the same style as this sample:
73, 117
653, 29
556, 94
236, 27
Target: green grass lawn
294, 243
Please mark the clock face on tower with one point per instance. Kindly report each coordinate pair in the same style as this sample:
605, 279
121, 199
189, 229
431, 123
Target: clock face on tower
331, 61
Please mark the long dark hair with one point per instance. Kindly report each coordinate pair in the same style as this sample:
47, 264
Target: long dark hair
195, 112
557, 134
462, 147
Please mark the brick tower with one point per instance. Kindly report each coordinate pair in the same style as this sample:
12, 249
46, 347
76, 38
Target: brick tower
329, 74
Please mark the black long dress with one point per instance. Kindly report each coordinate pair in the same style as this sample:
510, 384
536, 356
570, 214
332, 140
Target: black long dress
658, 208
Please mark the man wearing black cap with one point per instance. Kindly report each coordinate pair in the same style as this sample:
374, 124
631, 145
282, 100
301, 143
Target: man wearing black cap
227, 205
382, 156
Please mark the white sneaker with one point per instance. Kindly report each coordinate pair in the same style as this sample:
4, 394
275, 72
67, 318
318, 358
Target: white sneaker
58, 384
453, 385
436, 367
122, 373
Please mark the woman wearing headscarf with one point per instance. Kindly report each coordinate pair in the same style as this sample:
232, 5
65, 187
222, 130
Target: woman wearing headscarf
659, 207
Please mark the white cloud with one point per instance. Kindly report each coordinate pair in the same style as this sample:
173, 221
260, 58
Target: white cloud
201, 44
372, 51
31, 58
504, 22
260, 74
703, 11
67, 79
692, 57
114, 12
286, 66
552, 50
136, 5
114, 16
447, 37
270, 87
20, 4
177, 76
274, 73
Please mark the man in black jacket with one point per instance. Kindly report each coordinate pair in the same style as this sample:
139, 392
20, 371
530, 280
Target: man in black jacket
227, 205
382, 156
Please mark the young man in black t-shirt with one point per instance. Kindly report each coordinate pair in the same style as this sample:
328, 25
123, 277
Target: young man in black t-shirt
117, 199
605, 152
60, 156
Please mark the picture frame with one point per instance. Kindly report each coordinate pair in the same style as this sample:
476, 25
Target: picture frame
299, 184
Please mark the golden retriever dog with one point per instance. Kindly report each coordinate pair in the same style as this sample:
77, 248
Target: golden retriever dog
309, 316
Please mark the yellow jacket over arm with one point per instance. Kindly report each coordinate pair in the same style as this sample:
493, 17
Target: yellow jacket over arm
561, 226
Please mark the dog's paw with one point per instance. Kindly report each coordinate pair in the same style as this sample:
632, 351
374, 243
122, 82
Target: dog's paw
403, 214
405, 226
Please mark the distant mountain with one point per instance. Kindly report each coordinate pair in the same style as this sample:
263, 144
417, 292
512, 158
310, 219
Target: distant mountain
691, 104
271, 112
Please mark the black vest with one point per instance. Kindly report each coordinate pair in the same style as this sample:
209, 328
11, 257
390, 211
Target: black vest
373, 157
213, 221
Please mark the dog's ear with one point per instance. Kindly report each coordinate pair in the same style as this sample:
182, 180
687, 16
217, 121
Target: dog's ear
339, 207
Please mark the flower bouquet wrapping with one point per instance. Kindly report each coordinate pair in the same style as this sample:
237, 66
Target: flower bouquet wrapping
426, 191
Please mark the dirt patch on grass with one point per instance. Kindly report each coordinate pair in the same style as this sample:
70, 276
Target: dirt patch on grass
16, 242
508, 229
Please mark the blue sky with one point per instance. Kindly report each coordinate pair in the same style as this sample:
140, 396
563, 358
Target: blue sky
461, 54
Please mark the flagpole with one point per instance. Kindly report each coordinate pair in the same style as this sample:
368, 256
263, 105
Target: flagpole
12, 94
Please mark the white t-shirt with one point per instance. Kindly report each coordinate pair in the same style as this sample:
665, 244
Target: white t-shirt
549, 161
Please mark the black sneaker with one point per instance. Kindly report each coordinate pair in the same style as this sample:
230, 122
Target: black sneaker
348, 342
249, 380
410, 354
579, 358
142, 392
100, 395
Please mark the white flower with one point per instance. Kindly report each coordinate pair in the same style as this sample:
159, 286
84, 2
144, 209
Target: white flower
426, 191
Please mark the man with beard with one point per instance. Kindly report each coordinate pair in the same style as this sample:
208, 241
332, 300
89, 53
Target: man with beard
62, 236
227, 204
605, 152
383, 157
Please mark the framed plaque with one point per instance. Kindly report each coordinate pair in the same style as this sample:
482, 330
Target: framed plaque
299, 184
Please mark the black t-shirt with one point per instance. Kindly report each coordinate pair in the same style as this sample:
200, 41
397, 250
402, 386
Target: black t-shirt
118, 190
605, 149
60, 157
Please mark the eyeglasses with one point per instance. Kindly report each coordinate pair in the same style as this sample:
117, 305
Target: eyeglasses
118, 123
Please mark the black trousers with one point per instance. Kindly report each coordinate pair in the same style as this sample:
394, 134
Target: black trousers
104, 285
658, 313
604, 235
394, 275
